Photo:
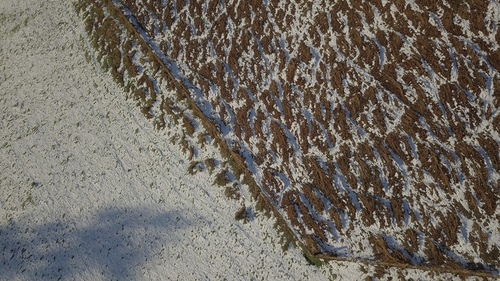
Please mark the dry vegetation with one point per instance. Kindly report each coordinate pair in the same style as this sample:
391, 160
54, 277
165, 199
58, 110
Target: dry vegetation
370, 128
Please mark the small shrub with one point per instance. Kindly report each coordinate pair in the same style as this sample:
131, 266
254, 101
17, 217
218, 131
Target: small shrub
242, 214
221, 179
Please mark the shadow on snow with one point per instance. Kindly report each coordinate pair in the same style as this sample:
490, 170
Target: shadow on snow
113, 244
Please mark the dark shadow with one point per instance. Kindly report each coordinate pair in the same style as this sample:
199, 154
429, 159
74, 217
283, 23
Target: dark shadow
113, 244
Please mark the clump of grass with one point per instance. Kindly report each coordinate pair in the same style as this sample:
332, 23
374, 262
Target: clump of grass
312, 259
221, 179
159, 122
261, 206
195, 167
188, 125
232, 191
187, 147
203, 139
242, 214
171, 109
28, 201
211, 164
284, 243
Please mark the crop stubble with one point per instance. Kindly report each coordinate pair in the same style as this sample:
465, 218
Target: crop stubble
372, 128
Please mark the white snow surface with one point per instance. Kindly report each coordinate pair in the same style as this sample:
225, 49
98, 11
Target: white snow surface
89, 190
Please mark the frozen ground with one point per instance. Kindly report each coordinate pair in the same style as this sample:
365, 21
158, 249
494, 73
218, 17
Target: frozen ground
90, 191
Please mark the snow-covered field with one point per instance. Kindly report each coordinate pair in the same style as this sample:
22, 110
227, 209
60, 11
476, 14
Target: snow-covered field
89, 190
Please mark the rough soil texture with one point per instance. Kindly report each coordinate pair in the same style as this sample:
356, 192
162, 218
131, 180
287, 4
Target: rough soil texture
371, 126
